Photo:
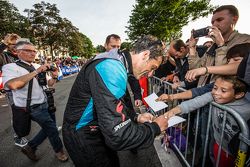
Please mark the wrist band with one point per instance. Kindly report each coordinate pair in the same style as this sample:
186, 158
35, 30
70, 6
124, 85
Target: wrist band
220, 46
206, 70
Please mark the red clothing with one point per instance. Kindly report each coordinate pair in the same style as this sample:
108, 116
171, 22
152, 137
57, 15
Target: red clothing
1, 81
144, 86
226, 160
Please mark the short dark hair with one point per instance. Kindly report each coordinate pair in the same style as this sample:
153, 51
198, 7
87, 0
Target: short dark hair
178, 43
151, 43
117, 37
21, 44
238, 85
231, 8
239, 50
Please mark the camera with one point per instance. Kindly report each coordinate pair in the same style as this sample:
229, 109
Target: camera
50, 99
51, 68
201, 32
42, 76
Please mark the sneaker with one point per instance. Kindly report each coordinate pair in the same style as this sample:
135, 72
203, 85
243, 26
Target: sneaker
59, 128
29, 152
21, 142
61, 156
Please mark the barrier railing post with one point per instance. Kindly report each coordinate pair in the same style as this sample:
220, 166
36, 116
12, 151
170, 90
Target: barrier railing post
243, 147
244, 135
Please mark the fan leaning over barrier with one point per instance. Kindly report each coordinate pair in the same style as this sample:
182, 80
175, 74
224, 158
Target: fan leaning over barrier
227, 90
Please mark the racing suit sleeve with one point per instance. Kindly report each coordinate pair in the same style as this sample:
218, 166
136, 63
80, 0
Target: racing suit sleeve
108, 87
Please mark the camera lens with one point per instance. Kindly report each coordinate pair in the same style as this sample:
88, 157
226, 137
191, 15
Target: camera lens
42, 79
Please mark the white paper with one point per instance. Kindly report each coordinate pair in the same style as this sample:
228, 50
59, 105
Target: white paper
155, 105
175, 120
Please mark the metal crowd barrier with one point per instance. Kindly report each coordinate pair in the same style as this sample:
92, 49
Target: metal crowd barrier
190, 159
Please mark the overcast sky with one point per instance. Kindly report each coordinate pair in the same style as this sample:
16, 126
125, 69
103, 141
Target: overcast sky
99, 18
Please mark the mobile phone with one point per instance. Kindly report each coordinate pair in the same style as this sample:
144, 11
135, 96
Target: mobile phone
200, 32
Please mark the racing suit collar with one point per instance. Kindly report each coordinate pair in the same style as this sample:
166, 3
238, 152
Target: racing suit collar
127, 57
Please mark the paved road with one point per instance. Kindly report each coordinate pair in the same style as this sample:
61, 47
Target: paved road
11, 156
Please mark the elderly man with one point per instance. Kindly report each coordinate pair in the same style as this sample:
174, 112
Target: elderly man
97, 122
22, 79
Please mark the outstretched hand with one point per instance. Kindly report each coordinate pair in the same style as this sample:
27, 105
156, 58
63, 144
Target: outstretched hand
192, 75
165, 98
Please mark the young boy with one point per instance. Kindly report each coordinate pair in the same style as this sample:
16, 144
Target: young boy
227, 90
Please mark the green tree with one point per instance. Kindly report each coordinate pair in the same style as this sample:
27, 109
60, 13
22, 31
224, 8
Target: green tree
81, 45
88, 47
126, 45
165, 18
56, 33
100, 49
46, 25
11, 21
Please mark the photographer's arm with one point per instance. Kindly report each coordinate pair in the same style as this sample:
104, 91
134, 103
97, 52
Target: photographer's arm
52, 81
194, 60
20, 82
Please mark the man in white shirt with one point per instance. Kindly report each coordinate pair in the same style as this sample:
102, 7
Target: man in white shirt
17, 78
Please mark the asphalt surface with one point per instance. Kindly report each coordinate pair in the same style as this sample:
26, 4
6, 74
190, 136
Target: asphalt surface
11, 156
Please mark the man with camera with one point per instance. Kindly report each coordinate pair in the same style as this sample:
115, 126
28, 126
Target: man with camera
224, 35
30, 100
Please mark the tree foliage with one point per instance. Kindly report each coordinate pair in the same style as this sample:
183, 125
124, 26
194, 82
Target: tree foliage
126, 45
46, 29
80, 44
100, 49
165, 18
11, 20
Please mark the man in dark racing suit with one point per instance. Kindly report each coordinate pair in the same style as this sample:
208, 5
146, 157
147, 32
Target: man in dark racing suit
97, 122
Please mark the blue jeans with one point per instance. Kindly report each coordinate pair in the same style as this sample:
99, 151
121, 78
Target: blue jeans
47, 122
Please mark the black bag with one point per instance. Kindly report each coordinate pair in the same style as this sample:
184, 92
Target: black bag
21, 121
21, 115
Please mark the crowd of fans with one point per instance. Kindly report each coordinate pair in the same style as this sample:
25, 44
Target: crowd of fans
210, 68
208, 71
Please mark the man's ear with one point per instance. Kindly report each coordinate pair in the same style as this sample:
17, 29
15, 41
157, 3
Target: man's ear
239, 95
105, 46
146, 54
182, 49
235, 19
